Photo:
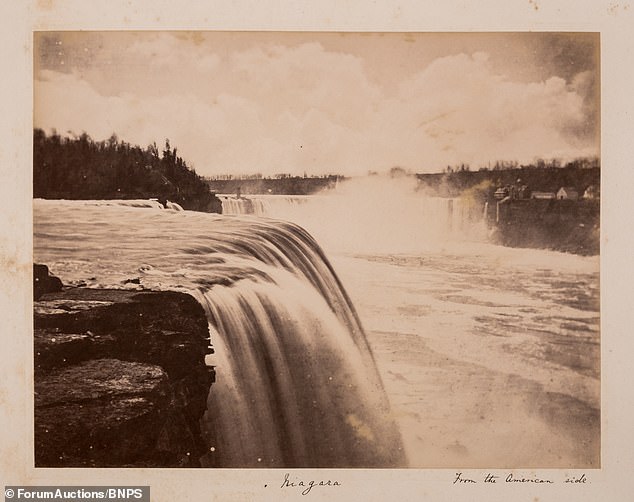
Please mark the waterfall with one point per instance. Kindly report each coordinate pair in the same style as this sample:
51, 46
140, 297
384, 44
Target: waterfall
235, 205
299, 385
296, 382
295, 389
274, 206
363, 217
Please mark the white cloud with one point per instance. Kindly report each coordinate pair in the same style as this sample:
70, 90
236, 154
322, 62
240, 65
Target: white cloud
168, 52
473, 115
279, 109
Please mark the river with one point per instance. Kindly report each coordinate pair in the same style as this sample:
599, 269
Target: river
489, 356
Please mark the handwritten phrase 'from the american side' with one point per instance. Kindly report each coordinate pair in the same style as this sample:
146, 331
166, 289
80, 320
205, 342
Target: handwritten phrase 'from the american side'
512, 478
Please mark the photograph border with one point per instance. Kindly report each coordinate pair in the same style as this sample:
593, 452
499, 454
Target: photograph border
613, 21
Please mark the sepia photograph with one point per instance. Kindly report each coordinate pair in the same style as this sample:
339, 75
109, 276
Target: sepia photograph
317, 249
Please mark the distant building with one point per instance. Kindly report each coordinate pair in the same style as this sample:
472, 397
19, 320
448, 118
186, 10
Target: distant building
592, 192
568, 193
543, 195
501, 193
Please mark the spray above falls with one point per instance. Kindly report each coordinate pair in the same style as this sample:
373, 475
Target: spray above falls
371, 214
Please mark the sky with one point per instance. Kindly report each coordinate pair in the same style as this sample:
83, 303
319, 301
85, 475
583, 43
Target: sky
325, 103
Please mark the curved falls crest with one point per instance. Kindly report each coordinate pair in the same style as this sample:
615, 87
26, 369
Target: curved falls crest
296, 385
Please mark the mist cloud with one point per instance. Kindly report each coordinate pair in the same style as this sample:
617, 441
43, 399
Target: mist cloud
276, 109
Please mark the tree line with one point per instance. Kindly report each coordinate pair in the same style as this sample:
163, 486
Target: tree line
82, 168
505, 165
578, 174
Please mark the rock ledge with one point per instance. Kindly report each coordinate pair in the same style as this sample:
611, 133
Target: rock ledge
120, 378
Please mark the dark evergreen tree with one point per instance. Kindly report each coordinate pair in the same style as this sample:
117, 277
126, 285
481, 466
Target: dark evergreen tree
80, 168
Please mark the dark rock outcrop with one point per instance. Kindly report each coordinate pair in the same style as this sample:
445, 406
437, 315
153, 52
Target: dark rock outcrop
120, 378
560, 225
44, 282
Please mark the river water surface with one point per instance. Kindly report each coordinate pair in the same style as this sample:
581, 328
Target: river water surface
489, 356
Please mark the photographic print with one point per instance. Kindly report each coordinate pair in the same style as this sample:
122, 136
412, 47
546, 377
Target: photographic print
317, 249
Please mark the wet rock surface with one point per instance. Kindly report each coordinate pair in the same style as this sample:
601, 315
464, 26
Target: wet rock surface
120, 378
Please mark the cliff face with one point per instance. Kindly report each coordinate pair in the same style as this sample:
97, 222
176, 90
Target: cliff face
120, 378
561, 225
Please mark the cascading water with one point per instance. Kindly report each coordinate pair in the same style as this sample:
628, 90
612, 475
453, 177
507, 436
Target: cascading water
503, 342
373, 214
296, 381
293, 370
262, 205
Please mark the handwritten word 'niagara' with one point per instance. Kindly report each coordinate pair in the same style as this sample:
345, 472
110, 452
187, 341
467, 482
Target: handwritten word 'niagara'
489, 478
306, 486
